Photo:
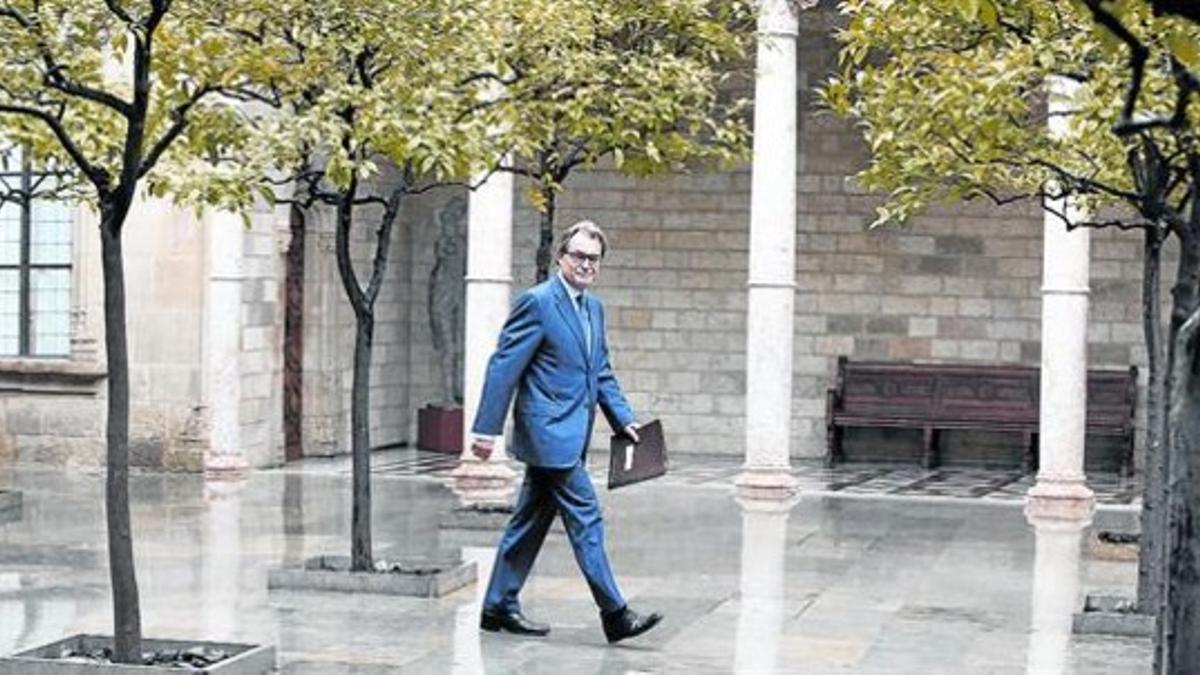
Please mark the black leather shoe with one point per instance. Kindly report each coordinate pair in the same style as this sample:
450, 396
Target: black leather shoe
626, 623
510, 622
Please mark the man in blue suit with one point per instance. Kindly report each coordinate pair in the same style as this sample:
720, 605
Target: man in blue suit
553, 355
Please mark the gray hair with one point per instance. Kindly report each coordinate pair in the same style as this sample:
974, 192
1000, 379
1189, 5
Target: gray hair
586, 227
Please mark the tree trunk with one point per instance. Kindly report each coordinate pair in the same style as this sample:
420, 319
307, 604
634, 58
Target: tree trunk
293, 339
360, 422
360, 396
546, 233
127, 621
1183, 635
1151, 567
1177, 613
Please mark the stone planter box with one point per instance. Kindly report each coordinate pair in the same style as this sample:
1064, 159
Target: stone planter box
421, 578
1112, 615
10, 506
243, 659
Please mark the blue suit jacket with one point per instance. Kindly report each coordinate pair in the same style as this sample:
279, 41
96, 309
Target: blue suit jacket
542, 357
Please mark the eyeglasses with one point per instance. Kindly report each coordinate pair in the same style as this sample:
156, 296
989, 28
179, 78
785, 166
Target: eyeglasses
580, 257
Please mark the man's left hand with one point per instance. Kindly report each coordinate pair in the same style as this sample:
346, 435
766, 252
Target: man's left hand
631, 432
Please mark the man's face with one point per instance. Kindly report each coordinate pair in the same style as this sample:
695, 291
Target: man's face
581, 262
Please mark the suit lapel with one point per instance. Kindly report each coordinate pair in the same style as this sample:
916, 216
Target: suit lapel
563, 302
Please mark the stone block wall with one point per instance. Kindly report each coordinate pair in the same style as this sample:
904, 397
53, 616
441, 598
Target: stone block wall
165, 281
260, 414
61, 427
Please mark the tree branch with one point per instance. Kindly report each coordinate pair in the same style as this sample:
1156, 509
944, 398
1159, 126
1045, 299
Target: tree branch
98, 176
1138, 53
383, 236
179, 122
114, 6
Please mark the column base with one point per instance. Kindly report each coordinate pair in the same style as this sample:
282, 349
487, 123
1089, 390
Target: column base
225, 467
477, 483
1067, 500
775, 483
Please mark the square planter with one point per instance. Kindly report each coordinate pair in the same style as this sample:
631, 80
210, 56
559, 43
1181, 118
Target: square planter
46, 660
440, 429
423, 578
10, 506
1112, 615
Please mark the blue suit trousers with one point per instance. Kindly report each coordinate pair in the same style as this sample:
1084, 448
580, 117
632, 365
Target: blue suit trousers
545, 493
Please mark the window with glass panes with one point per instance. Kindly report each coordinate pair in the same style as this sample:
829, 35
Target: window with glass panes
35, 266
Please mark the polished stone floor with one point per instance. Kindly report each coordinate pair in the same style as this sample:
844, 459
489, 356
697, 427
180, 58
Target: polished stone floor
832, 584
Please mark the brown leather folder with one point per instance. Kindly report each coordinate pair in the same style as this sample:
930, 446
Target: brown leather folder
630, 463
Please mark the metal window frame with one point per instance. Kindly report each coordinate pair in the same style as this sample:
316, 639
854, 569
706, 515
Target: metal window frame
25, 266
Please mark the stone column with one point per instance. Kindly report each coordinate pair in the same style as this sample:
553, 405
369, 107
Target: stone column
488, 283
1061, 490
222, 345
1054, 598
760, 615
772, 283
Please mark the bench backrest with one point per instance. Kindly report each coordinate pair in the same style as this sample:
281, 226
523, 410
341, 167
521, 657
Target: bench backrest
965, 392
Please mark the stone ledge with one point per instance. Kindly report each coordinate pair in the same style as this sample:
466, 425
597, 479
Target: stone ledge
244, 659
1112, 615
50, 376
418, 577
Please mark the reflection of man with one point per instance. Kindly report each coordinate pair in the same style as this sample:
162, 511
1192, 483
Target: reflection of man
553, 354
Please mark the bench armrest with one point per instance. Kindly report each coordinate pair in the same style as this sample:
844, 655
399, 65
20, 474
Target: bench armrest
833, 401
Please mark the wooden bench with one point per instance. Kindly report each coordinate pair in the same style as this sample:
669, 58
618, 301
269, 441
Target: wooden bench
934, 397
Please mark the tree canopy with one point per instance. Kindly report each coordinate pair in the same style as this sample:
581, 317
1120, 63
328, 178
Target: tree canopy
952, 98
113, 93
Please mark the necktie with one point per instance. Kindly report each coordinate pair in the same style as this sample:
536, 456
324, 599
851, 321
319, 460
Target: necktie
581, 310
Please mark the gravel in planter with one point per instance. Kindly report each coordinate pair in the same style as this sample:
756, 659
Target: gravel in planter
92, 655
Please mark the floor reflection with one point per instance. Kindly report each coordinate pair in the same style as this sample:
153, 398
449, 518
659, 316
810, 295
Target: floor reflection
760, 617
293, 519
1056, 593
468, 655
29, 615
834, 584
221, 555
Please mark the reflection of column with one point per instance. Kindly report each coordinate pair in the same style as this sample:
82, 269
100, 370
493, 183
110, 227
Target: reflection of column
34, 617
221, 557
468, 657
293, 519
772, 284
1054, 598
222, 344
489, 278
760, 619
1061, 489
